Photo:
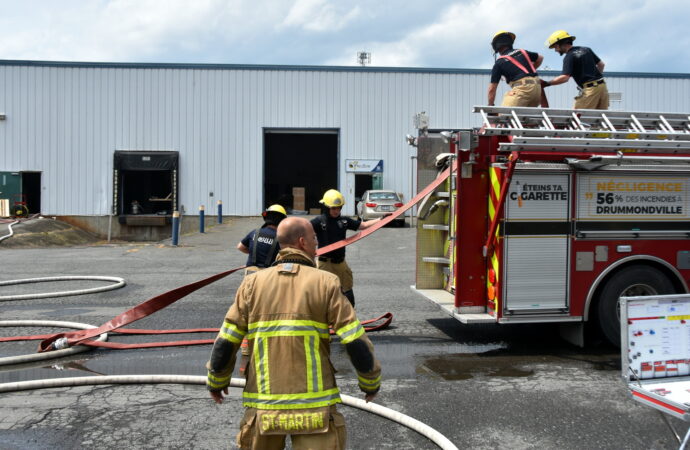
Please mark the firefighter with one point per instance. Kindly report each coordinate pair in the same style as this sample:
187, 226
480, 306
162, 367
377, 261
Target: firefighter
262, 247
286, 311
519, 68
585, 67
331, 227
261, 244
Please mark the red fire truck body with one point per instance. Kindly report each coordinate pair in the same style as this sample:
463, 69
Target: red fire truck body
552, 215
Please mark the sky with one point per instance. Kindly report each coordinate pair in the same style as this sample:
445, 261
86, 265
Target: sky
629, 35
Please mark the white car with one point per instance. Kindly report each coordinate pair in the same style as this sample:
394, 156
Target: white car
378, 203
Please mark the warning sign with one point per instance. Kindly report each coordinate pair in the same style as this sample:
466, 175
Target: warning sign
638, 197
538, 197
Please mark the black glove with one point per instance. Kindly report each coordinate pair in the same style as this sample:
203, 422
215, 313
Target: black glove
386, 215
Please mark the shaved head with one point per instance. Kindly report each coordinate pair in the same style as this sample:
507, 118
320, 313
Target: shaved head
297, 232
291, 229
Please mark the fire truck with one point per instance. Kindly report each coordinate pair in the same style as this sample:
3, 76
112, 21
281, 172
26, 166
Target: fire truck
551, 215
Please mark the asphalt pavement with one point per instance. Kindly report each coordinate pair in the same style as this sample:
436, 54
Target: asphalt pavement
483, 386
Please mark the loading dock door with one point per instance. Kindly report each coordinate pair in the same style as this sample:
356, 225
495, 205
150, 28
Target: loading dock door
299, 158
145, 184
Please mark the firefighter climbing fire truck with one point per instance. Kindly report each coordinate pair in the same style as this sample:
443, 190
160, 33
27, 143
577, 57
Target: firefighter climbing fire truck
552, 215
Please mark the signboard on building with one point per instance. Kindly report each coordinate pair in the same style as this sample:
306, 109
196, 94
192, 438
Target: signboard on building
364, 165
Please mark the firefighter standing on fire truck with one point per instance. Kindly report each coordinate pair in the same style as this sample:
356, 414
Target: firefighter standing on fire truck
286, 311
519, 68
330, 227
585, 67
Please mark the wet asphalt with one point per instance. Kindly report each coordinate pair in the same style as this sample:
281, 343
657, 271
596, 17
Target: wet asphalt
482, 386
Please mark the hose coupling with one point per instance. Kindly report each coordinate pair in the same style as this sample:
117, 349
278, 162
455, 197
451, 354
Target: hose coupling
60, 344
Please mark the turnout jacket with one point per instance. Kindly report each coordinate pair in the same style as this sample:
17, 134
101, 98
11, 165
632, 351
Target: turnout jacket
285, 312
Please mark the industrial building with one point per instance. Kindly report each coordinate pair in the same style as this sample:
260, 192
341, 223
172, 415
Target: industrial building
116, 147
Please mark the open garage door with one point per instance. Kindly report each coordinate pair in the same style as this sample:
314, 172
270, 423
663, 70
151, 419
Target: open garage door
299, 159
145, 187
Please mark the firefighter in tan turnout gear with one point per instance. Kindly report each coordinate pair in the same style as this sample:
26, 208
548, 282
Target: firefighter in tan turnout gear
519, 68
285, 311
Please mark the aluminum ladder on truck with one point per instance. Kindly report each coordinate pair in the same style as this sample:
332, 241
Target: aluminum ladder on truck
587, 130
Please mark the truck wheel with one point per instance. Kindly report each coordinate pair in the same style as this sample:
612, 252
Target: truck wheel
630, 282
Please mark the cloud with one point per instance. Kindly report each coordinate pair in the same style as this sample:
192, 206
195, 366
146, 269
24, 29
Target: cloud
320, 15
633, 35
625, 34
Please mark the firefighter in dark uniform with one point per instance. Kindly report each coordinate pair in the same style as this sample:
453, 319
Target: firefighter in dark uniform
262, 247
331, 227
585, 67
519, 68
286, 311
261, 244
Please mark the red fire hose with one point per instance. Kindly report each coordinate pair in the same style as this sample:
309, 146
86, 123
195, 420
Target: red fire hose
85, 337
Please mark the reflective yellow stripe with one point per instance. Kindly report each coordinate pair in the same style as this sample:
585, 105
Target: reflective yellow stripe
350, 332
369, 383
272, 328
252, 335
261, 366
313, 364
495, 184
309, 363
230, 332
292, 401
217, 382
294, 324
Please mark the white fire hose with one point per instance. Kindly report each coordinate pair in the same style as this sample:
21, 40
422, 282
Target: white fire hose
421, 428
9, 227
119, 282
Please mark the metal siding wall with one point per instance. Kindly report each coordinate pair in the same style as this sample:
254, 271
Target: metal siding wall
67, 122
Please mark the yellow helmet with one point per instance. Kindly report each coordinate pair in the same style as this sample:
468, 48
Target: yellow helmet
502, 37
276, 208
332, 199
556, 37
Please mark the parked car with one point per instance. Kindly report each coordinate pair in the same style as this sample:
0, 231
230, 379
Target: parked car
376, 203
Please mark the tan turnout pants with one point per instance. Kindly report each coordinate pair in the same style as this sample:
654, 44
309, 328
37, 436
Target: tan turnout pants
342, 270
523, 92
594, 97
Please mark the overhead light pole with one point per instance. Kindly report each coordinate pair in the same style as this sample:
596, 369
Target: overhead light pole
363, 58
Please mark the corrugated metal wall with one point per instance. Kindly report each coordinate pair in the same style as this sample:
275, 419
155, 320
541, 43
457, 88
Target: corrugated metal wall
67, 121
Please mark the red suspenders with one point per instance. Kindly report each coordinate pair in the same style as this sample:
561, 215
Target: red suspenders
520, 66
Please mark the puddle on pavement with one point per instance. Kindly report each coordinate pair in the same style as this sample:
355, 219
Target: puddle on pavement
463, 367
511, 363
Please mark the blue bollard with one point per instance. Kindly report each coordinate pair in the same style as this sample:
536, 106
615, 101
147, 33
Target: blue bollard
220, 211
201, 219
175, 228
